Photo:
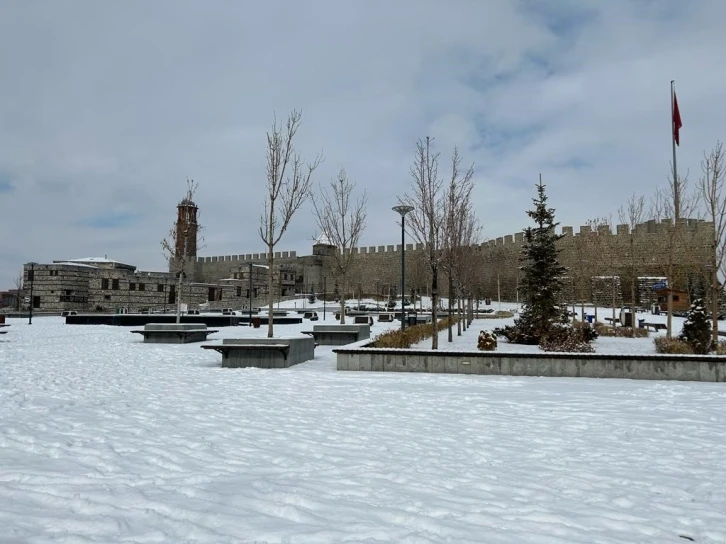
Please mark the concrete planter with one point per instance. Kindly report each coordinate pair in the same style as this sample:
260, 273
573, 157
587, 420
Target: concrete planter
704, 368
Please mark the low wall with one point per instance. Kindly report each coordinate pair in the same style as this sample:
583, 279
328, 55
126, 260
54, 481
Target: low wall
704, 368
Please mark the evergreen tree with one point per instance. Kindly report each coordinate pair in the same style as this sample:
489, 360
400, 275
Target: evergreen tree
697, 329
541, 283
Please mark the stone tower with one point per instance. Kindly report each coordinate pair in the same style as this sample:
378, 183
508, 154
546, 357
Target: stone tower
187, 229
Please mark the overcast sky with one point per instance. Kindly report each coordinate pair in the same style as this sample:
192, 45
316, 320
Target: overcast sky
107, 107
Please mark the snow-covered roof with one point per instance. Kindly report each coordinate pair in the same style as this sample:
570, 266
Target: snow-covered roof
93, 260
323, 240
71, 263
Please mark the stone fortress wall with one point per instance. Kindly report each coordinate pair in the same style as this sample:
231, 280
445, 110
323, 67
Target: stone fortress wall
592, 260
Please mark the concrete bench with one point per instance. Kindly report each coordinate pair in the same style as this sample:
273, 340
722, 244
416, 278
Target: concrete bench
312, 316
339, 335
264, 352
363, 320
385, 318
656, 326
174, 333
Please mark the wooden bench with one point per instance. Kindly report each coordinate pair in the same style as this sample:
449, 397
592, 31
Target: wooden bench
656, 326
611, 320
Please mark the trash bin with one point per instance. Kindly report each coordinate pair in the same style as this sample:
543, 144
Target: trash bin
640, 323
590, 318
256, 322
411, 320
655, 309
488, 301
2, 318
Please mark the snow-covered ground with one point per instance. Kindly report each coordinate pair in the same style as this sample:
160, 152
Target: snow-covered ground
106, 439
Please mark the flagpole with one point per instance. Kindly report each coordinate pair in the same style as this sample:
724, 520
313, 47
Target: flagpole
676, 185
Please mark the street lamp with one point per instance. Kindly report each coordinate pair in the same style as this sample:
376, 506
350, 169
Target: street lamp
31, 277
403, 210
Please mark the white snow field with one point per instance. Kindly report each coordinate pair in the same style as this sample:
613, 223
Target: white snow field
106, 439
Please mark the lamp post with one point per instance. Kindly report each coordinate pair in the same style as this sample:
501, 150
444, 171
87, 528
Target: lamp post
31, 277
403, 210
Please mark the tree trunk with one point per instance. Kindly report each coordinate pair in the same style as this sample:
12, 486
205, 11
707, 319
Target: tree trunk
342, 302
451, 289
270, 289
714, 299
179, 298
434, 307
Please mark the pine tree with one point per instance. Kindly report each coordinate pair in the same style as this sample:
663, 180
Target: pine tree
697, 329
541, 283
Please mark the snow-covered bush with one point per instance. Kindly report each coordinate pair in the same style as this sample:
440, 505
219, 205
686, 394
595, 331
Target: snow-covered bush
696, 330
487, 341
563, 337
672, 346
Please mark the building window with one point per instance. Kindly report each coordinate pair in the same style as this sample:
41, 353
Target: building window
107, 297
142, 287
239, 291
210, 294
114, 284
132, 286
160, 288
104, 283
68, 292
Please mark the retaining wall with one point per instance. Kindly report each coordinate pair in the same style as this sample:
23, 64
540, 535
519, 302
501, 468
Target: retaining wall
704, 368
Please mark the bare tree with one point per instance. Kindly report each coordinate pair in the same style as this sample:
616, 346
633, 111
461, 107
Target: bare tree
673, 202
342, 223
180, 246
288, 186
457, 212
18, 284
426, 221
468, 265
632, 215
711, 191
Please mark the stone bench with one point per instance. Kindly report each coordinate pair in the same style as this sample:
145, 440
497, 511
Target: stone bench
363, 320
174, 333
385, 318
339, 335
312, 316
264, 352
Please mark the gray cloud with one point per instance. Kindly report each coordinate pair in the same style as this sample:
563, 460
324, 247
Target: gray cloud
107, 108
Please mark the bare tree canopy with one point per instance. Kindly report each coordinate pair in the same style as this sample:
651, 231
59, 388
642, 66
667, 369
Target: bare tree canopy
673, 202
458, 209
711, 191
342, 222
427, 222
288, 186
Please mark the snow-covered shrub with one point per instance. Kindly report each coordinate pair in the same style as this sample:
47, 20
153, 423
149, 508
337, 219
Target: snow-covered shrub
621, 332
721, 347
403, 339
487, 341
563, 337
696, 330
672, 346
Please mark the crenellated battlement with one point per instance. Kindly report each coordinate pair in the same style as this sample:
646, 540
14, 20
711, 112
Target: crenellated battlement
249, 257
649, 227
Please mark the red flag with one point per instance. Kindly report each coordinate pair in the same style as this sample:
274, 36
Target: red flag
676, 120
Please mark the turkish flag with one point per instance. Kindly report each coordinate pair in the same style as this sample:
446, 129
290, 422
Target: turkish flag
676, 120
